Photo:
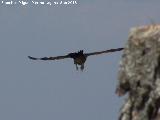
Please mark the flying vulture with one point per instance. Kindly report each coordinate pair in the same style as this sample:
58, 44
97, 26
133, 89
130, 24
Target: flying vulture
78, 57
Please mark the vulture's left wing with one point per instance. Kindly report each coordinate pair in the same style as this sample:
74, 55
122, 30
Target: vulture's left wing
105, 51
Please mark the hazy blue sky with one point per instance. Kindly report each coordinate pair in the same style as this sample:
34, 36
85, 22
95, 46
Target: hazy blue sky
42, 90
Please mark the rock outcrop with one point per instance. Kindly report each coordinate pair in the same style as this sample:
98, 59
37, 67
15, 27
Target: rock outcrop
139, 74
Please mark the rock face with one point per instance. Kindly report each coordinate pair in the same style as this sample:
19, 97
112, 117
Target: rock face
139, 74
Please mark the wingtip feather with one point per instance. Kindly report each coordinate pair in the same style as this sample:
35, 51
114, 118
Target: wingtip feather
32, 58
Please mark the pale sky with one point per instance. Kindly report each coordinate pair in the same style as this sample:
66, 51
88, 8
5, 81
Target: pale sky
54, 90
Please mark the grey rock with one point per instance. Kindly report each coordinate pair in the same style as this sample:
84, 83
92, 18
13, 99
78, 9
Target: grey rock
139, 74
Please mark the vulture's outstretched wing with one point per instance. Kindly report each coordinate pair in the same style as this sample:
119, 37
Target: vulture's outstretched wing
50, 58
105, 51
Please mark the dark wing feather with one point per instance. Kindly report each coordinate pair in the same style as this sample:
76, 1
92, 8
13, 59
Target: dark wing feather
50, 58
105, 51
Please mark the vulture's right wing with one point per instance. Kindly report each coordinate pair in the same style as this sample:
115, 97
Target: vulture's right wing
50, 58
